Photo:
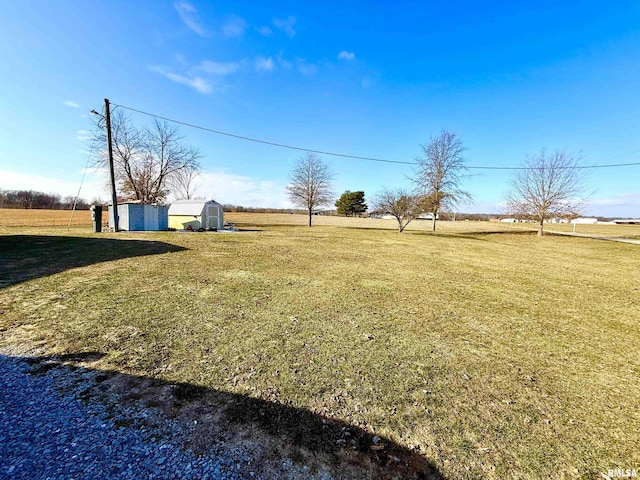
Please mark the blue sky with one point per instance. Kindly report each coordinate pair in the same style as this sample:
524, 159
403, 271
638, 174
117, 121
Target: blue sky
373, 79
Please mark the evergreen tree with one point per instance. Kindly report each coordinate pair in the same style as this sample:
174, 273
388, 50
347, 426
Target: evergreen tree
351, 203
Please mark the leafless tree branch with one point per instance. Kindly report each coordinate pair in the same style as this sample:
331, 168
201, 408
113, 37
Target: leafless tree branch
399, 203
310, 183
551, 185
440, 173
147, 162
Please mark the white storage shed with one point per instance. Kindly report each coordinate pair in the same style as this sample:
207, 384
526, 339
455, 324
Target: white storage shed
138, 217
196, 215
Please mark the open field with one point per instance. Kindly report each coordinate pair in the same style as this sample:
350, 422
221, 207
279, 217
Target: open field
602, 230
60, 218
252, 219
605, 230
14, 217
481, 354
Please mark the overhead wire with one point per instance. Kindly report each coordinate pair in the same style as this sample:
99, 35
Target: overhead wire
574, 167
344, 155
265, 142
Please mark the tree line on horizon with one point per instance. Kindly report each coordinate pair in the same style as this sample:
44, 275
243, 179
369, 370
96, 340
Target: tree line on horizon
31, 199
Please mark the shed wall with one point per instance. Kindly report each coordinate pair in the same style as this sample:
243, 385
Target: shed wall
180, 222
136, 217
163, 218
155, 217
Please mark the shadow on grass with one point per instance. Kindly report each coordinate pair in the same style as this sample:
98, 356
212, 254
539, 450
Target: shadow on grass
282, 432
26, 257
421, 233
375, 229
505, 232
466, 234
457, 236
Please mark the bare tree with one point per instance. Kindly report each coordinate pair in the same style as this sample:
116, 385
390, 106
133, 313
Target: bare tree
549, 185
146, 161
310, 183
127, 145
399, 203
183, 184
440, 173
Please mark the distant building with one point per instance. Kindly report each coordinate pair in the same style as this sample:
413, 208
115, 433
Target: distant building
585, 220
627, 221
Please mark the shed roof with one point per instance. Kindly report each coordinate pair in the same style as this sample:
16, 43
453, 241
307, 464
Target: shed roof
189, 207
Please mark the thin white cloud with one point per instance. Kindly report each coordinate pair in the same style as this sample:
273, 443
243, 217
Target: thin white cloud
196, 82
264, 31
72, 104
286, 25
234, 27
627, 204
284, 64
95, 171
93, 185
83, 135
189, 16
344, 55
264, 64
227, 187
219, 184
218, 68
307, 69
628, 199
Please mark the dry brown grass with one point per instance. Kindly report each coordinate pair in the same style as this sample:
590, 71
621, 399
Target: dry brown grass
602, 230
493, 355
11, 217
249, 220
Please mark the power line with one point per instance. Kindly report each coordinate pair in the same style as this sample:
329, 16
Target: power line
274, 144
578, 167
343, 155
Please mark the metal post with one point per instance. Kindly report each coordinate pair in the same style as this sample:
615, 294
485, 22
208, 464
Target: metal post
96, 218
114, 199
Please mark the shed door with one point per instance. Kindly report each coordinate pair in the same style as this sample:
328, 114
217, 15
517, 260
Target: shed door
213, 217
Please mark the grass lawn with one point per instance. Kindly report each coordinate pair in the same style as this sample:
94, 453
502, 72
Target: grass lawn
600, 229
483, 349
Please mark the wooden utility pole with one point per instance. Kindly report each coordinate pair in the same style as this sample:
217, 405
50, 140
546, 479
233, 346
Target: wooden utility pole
114, 199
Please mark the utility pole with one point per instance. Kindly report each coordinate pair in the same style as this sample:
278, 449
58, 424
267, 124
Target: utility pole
114, 199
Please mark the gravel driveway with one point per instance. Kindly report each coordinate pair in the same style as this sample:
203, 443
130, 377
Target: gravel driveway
47, 432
